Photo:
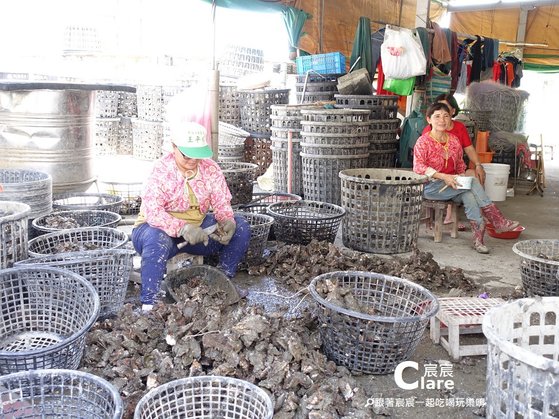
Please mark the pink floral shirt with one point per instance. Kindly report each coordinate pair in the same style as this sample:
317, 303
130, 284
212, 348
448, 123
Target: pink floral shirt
165, 191
428, 156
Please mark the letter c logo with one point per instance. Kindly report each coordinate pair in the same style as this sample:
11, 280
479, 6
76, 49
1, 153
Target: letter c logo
398, 375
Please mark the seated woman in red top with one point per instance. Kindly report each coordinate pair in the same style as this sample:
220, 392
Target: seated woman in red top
459, 130
438, 154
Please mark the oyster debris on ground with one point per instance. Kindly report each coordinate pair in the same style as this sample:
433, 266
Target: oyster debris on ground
255, 342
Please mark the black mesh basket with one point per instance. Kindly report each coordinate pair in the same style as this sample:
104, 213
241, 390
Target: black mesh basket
89, 201
108, 270
63, 220
302, 221
77, 239
260, 225
240, 178
205, 397
58, 393
372, 343
539, 266
14, 226
46, 313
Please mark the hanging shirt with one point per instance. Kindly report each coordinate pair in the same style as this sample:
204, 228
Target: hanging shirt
165, 192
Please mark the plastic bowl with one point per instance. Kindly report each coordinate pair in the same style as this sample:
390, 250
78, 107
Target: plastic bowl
507, 235
465, 182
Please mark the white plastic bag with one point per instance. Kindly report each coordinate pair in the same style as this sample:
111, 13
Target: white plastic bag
402, 54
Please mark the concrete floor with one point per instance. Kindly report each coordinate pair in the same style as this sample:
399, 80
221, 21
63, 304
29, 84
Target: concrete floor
500, 268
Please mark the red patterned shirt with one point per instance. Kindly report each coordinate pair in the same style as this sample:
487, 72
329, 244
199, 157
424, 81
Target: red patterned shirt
165, 190
428, 156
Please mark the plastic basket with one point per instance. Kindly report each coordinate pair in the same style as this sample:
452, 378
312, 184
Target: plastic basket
46, 313
260, 225
107, 136
229, 108
523, 359
301, 221
258, 151
348, 116
373, 343
31, 187
382, 159
320, 170
240, 179
77, 239
147, 139
282, 176
58, 393
75, 219
106, 103
130, 192
539, 266
231, 135
87, 201
149, 102
314, 97
127, 104
108, 270
256, 108
14, 226
383, 209
343, 129
330, 63
205, 397
380, 107
125, 137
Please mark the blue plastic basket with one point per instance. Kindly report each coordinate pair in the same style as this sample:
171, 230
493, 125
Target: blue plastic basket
333, 62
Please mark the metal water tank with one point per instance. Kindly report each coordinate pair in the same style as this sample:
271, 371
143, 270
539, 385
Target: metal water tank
50, 127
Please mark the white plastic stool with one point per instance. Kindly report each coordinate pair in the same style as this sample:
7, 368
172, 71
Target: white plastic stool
461, 315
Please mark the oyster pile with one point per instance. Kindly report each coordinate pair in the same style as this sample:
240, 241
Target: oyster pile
282, 354
297, 265
60, 222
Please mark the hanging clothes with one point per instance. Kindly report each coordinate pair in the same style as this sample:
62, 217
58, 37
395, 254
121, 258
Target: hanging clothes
440, 52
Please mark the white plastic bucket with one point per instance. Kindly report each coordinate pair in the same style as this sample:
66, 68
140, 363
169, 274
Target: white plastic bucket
496, 180
465, 182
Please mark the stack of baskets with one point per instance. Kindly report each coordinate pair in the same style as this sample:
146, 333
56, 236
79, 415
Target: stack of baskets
255, 118
30, 187
313, 87
286, 121
127, 109
231, 145
332, 140
237, 61
366, 342
383, 141
229, 108
106, 123
383, 209
240, 179
13, 232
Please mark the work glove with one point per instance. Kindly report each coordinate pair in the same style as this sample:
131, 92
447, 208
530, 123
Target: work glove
227, 229
193, 234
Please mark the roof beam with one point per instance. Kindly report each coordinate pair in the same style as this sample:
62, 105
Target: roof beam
471, 6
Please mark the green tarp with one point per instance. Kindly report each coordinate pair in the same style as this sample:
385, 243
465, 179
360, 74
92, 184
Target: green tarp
362, 47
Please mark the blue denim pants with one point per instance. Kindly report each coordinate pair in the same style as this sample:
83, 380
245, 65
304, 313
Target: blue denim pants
473, 199
156, 248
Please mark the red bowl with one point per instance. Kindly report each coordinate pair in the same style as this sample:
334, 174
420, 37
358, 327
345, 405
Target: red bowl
508, 235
